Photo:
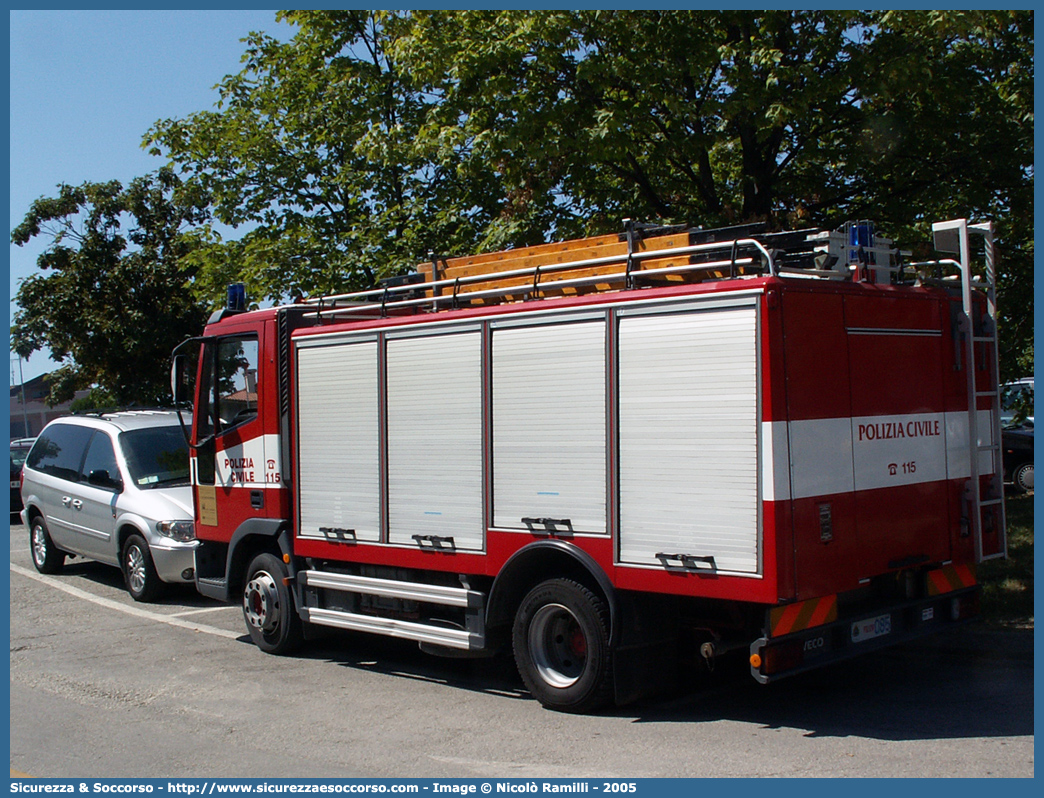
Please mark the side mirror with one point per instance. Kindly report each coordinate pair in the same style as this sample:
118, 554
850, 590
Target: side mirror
181, 380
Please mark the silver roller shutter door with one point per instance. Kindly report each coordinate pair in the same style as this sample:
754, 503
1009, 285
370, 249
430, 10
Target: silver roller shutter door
435, 438
688, 437
549, 443
339, 441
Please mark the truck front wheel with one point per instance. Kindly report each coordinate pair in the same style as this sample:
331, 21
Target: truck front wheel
268, 607
561, 645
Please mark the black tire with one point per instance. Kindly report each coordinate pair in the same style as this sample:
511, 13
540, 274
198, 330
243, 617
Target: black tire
268, 607
139, 572
561, 644
1022, 478
46, 558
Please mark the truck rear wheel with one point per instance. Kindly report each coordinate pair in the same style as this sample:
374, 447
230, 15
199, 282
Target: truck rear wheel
561, 645
268, 607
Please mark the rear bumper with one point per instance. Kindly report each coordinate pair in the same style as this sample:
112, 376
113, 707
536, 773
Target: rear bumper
773, 658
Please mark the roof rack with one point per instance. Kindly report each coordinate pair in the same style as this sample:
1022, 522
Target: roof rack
117, 411
643, 255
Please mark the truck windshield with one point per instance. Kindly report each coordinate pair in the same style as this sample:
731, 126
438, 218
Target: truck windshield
156, 456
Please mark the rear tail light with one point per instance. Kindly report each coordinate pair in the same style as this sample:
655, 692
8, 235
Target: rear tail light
779, 658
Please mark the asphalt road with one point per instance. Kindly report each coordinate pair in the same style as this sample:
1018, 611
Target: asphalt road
102, 686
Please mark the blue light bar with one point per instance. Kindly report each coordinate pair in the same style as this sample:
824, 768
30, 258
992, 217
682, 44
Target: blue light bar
862, 235
236, 297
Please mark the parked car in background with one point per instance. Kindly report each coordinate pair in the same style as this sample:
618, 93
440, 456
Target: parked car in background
112, 488
19, 450
1017, 402
1017, 445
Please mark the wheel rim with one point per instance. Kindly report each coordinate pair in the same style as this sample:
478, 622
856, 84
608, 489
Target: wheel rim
558, 645
261, 602
1024, 478
135, 569
39, 544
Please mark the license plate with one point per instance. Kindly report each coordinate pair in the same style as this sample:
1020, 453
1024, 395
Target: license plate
870, 628
14, 484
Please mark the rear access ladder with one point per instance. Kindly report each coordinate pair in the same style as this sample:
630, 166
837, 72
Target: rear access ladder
985, 504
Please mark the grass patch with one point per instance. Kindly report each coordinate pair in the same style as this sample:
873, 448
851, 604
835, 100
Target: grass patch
1007, 585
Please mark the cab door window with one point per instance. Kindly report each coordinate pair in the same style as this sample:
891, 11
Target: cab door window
229, 390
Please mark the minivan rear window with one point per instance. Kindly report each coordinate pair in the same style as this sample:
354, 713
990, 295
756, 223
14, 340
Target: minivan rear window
59, 450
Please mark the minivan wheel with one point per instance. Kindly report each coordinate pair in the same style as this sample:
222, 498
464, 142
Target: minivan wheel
46, 558
143, 583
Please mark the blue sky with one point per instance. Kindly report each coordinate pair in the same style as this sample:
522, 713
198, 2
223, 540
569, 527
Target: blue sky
85, 86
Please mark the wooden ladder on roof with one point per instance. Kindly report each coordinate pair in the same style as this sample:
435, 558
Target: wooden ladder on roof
563, 268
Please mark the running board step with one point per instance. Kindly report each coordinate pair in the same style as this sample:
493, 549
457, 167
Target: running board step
472, 601
391, 588
391, 627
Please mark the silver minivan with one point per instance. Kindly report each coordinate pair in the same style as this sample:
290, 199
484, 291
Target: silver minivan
112, 488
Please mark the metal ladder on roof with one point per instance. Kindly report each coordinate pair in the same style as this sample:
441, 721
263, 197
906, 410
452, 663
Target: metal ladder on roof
984, 503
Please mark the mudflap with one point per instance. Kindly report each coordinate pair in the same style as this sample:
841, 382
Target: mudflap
645, 651
773, 658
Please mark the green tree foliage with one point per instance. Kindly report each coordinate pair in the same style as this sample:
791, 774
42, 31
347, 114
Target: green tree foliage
371, 138
115, 297
313, 148
685, 116
949, 133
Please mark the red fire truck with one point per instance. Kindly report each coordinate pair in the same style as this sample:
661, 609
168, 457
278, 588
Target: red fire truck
600, 452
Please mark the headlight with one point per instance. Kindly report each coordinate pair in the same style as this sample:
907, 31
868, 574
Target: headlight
182, 531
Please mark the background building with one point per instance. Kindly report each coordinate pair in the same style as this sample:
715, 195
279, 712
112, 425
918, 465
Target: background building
28, 418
